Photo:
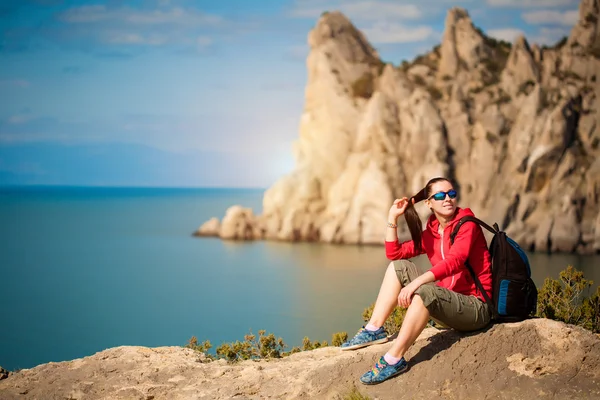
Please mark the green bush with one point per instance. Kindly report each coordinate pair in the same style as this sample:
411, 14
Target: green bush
308, 345
394, 321
526, 88
591, 18
380, 65
558, 44
503, 99
425, 59
203, 347
434, 92
363, 86
594, 51
564, 300
339, 338
419, 80
263, 347
252, 348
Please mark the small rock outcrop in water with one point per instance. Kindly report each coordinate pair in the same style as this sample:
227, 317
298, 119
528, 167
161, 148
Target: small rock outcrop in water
517, 127
535, 359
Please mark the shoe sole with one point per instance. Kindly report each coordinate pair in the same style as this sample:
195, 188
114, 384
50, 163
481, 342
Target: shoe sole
386, 379
361, 345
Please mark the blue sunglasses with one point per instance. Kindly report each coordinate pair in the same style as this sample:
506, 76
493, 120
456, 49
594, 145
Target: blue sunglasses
439, 196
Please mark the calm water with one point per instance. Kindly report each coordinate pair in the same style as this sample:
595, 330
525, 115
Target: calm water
85, 269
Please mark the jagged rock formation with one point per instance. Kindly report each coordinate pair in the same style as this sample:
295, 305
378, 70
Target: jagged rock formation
535, 359
516, 126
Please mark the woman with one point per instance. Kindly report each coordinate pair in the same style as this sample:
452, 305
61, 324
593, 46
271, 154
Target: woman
453, 300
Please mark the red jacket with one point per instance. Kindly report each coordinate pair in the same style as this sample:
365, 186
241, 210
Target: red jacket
449, 261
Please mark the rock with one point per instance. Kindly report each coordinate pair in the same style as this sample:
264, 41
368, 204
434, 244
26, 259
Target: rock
3, 373
462, 45
565, 232
238, 223
537, 358
521, 71
516, 127
209, 228
585, 34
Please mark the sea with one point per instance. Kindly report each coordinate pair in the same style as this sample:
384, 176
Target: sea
83, 269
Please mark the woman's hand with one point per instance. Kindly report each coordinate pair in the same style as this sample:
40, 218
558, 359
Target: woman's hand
398, 208
405, 296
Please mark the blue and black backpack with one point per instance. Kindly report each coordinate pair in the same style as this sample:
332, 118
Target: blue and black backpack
514, 295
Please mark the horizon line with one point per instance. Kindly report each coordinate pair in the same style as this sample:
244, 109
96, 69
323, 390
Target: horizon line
114, 186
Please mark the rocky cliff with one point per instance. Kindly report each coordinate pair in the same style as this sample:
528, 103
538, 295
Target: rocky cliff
516, 126
527, 360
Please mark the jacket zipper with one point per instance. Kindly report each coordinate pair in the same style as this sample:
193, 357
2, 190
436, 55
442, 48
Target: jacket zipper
444, 257
442, 245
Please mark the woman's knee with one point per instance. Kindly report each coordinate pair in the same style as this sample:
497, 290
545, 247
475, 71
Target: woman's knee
391, 267
428, 295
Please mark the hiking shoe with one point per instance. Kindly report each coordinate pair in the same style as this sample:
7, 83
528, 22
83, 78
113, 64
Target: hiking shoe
382, 371
366, 338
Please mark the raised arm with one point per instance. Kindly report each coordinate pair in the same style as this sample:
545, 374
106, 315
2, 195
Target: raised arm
393, 249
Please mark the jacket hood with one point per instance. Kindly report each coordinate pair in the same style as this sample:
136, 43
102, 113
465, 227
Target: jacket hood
433, 224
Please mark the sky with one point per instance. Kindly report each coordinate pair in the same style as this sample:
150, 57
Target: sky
183, 93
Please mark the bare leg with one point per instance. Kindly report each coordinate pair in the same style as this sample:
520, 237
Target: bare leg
387, 298
414, 322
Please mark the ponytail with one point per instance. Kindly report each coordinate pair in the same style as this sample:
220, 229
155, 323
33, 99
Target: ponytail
413, 220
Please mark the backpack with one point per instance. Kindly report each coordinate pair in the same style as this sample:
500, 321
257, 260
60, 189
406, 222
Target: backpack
514, 295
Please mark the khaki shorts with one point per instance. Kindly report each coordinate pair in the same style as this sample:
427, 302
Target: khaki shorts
455, 310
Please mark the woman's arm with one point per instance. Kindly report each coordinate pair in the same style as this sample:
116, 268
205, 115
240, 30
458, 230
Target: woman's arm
393, 249
405, 296
400, 251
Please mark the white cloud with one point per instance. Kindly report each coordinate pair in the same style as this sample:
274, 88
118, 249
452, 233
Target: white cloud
507, 34
126, 15
529, 3
377, 10
358, 10
549, 36
140, 27
135, 38
85, 14
568, 18
384, 32
203, 41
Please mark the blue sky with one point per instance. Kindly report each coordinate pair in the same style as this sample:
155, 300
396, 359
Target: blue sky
192, 93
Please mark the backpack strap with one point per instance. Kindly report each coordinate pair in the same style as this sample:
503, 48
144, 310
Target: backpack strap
468, 218
494, 230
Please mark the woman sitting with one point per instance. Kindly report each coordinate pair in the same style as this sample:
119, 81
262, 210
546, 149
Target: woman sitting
453, 299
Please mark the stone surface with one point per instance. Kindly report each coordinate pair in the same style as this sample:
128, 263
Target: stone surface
528, 360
